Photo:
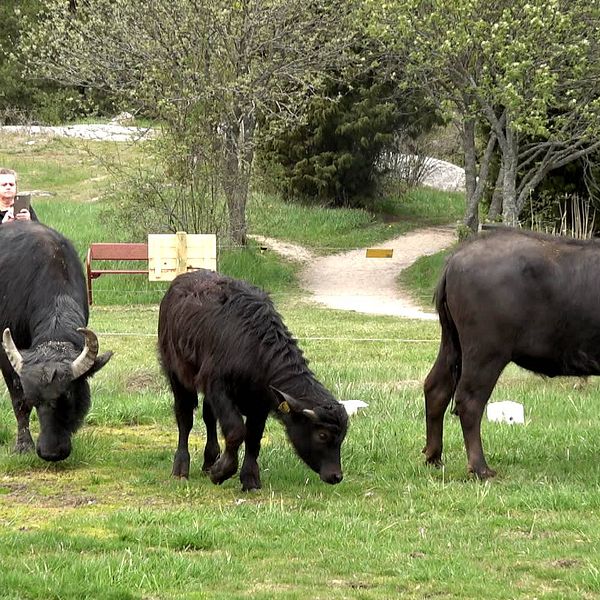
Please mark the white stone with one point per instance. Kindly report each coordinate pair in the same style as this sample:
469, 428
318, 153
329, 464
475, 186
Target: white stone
353, 406
506, 411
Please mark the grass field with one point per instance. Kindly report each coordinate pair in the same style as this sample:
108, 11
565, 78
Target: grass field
110, 522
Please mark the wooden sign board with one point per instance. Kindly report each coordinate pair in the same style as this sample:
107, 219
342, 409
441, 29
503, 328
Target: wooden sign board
170, 255
380, 252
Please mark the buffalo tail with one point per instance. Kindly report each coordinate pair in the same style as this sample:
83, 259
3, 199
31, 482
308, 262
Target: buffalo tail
450, 342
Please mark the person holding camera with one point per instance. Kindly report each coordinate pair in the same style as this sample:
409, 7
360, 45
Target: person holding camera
8, 194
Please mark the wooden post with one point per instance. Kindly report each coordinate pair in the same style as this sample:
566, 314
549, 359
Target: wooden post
171, 254
181, 248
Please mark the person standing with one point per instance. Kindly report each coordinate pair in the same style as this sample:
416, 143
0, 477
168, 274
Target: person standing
8, 192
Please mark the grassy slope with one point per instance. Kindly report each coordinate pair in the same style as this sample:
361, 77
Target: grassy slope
420, 279
111, 523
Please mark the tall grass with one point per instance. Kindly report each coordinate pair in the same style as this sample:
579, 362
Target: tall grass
420, 278
329, 230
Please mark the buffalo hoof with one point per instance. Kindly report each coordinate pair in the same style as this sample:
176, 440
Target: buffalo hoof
433, 458
24, 446
222, 470
209, 462
482, 473
250, 483
181, 468
251, 490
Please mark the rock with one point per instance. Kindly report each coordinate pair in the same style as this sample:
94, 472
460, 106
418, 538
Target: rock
353, 406
438, 174
39, 193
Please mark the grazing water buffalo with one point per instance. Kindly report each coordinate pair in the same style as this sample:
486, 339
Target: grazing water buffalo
224, 337
509, 296
48, 353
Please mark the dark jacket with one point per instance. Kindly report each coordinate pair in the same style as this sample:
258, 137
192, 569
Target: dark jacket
31, 212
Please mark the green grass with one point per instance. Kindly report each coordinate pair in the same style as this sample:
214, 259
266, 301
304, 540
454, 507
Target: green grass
110, 522
79, 173
331, 230
420, 278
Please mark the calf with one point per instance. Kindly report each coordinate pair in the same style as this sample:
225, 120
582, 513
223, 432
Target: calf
223, 337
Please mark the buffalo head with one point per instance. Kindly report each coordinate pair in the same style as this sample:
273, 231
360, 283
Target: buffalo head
53, 376
316, 433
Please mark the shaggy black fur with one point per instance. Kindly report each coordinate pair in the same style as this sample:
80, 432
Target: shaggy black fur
223, 337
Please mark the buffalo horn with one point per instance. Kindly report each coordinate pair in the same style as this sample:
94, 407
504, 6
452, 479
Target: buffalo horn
84, 362
311, 414
13, 355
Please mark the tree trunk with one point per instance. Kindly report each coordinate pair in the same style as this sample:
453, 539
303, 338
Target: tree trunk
236, 187
496, 204
510, 211
471, 219
475, 175
238, 156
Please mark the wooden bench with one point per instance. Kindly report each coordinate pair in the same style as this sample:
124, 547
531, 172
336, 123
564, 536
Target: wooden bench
114, 251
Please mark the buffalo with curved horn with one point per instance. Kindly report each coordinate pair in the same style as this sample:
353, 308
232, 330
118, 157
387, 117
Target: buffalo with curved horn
49, 353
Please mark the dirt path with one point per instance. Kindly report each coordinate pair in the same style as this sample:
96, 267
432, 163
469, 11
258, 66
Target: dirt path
350, 281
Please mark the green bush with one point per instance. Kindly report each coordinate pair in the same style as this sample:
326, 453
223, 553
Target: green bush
333, 156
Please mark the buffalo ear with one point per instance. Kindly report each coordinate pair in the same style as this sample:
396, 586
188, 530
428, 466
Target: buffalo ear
293, 404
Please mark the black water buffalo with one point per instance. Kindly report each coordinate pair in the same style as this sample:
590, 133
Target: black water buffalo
48, 353
507, 296
223, 337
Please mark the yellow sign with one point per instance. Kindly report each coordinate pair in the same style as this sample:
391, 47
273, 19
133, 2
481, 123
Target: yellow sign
380, 252
170, 255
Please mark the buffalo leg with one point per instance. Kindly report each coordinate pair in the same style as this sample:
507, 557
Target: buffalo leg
24, 442
439, 388
250, 473
233, 429
185, 403
472, 393
211, 449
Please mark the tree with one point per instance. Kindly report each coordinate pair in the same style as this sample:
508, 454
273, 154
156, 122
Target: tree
15, 95
524, 72
223, 65
23, 99
334, 155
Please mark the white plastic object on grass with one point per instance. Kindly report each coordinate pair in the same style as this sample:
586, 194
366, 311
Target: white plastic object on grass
352, 406
506, 411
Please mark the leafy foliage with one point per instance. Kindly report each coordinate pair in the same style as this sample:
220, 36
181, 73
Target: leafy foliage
528, 70
333, 155
25, 99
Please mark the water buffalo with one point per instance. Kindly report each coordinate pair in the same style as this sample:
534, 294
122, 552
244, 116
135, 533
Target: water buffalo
223, 337
48, 352
509, 296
